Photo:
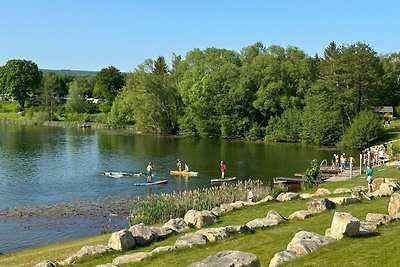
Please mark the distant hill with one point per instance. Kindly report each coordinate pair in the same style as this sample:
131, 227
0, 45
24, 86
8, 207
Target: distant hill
70, 72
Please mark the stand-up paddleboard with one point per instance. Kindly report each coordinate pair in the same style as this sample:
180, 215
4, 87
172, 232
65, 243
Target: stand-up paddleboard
220, 180
152, 183
117, 174
183, 173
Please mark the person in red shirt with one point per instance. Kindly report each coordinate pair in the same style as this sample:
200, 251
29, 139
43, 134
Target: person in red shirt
223, 169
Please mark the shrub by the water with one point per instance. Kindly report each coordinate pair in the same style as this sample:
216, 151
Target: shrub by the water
160, 208
365, 129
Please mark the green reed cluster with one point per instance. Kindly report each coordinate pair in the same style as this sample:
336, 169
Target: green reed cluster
160, 208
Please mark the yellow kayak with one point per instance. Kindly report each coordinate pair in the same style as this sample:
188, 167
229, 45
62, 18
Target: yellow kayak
183, 173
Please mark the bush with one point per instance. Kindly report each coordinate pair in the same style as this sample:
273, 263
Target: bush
312, 174
256, 132
365, 129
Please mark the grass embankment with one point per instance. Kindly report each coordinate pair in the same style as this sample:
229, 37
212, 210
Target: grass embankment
377, 250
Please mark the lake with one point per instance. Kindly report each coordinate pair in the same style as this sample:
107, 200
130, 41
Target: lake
44, 165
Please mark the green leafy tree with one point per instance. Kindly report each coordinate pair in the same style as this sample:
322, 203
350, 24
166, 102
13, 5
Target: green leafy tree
391, 89
86, 84
53, 86
366, 128
152, 93
109, 82
282, 78
286, 128
321, 124
207, 88
122, 110
351, 75
21, 79
76, 98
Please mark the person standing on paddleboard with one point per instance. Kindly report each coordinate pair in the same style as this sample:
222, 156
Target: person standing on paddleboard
223, 169
149, 169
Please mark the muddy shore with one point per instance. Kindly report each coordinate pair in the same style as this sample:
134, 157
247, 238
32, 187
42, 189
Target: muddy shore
98, 208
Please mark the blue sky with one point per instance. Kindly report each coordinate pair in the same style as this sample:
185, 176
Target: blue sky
94, 34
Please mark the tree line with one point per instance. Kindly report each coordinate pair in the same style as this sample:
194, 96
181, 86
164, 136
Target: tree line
259, 93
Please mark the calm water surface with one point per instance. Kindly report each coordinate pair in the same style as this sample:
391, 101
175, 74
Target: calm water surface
43, 165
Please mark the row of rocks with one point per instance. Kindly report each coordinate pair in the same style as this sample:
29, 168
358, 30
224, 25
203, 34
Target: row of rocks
141, 235
343, 224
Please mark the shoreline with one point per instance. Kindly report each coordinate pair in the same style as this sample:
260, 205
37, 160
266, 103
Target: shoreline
120, 207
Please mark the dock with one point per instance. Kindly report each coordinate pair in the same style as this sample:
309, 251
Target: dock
291, 183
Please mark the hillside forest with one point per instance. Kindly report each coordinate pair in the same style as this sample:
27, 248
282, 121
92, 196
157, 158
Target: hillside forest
259, 93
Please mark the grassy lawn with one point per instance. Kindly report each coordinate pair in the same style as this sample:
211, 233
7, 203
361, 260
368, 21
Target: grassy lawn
377, 250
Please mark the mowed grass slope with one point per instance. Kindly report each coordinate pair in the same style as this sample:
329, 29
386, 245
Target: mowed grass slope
377, 250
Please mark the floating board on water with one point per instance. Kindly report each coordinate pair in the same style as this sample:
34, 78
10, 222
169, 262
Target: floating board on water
117, 174
152, 183
184, 173
220, 180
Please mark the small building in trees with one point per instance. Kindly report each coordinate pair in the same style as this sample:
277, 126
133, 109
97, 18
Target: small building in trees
385, 112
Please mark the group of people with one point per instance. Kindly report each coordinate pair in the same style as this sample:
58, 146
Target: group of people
341, 161
375, 155
149, 169
179, 166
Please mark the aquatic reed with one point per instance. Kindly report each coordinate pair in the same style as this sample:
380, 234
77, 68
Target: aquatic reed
160, 208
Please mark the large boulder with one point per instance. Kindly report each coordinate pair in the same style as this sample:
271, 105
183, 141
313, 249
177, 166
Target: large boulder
367, 226
142, 234
341, 201
162, 232
199, 219
289, 196
319, 205
191, 239
378, 218
273, 215
178, 225
229, 258
344, 224
305, 196
226, 206
214, 234
266, 199
322, 192
305, 242
233, 229
121, 240
376, 183
341, 190
46, 264
86, 251
217, 211
163, 249
239, 204
281, 257
300, 214
394, 204
130, 258
261, 223
107, 265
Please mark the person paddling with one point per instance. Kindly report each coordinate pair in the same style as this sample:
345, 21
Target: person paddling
179, 165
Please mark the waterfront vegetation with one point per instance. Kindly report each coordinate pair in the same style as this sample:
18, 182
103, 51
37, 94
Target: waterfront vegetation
259, 93
376, 250
160, 208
